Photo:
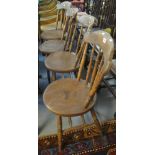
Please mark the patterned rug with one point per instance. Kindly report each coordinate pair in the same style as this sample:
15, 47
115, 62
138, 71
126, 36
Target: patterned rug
81, 140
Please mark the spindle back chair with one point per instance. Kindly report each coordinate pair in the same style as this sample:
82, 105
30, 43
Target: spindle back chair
75, 97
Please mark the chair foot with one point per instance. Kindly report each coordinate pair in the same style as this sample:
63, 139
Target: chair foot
59, 126
96, 121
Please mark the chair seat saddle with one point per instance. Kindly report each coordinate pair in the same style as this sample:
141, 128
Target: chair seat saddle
62, 62
51, 46
51, 34
67, 97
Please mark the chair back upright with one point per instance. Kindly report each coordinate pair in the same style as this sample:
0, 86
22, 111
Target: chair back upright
70, 27
87, 21
61, 9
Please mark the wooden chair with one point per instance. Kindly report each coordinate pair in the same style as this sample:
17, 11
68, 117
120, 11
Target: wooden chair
65, 62
75, 97
51, 46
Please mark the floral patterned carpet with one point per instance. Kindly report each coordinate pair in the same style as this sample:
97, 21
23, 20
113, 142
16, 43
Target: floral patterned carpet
81, 140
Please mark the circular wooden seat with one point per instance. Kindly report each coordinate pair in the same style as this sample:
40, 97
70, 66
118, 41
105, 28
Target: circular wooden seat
51, 46
51, 34
66, 97
62, 62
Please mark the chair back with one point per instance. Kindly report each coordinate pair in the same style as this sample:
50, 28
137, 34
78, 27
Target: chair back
85, 22
103, 59
61, 9
70, 27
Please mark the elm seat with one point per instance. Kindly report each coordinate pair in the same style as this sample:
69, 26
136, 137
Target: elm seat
51, 46
66, 97
62, 62
51, 34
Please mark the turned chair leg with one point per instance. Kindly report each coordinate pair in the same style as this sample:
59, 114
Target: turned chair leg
48, 76
53, 76
96, 121
59, 128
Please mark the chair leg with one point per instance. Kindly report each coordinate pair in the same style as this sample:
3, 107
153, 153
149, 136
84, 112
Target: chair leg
96, 121
83, 120
59, 128
48, 76
53, 76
